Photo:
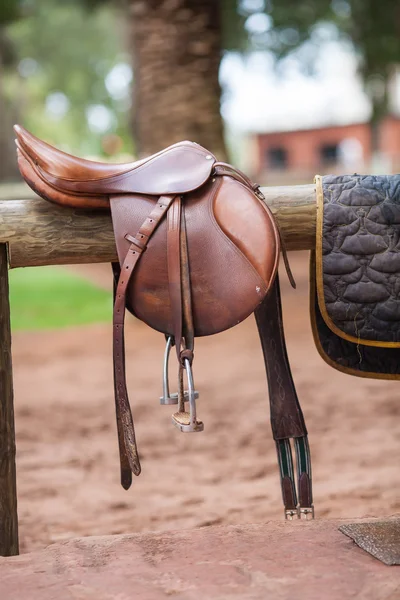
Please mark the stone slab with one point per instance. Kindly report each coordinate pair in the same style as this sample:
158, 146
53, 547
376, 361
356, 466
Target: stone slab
274, 560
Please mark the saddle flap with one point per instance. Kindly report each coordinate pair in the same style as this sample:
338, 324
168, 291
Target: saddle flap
228, 279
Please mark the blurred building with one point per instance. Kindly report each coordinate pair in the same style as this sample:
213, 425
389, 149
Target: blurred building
296, 156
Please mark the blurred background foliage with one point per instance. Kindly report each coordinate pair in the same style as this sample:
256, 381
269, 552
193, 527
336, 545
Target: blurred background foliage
66, 67
59, 67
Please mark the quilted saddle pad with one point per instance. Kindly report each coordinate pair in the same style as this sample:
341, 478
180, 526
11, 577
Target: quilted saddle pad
355, 274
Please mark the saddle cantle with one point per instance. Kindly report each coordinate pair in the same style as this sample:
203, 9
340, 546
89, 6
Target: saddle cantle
198, 252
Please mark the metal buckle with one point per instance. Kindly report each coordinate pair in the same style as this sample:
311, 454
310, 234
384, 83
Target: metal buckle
305, 513
258, 192
187, 421
168, 398
291, 514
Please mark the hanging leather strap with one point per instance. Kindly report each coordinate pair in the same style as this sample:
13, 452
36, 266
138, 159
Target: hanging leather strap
174, 271
287, 419
188, 326
126, 432
126, 473
179, 282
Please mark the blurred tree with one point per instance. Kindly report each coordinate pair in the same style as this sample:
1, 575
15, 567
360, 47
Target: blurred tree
60, 81
8, 167
176, 57
65, 65
73, 73
286, 26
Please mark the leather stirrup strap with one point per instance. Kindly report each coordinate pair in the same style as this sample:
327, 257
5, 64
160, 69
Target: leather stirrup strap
126, 473
188, 327
174, 271
126, 431
179, 282
287, 419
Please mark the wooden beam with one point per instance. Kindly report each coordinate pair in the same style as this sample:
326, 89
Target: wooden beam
8, 486
41, 233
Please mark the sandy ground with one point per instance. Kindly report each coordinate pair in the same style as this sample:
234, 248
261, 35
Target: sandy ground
67, 459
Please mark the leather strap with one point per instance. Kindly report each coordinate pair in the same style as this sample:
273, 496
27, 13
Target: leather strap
179, 282
174, 270
126, 432
286, 416
222, 168
287, 419
188, 327
126, 473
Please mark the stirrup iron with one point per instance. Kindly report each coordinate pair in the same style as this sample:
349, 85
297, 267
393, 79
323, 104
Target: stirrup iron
187, 421
167, 397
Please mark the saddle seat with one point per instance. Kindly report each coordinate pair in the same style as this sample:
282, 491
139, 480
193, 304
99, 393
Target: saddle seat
178, 169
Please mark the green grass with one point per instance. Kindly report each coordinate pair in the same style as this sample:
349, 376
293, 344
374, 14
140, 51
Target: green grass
49, 298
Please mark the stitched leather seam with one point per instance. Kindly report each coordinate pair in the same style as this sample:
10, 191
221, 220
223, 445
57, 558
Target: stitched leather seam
233, 245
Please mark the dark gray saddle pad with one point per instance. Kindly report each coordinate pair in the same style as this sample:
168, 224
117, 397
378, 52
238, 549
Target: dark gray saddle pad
355, 274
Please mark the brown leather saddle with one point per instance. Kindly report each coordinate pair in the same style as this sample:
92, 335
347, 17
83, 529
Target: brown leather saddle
198, 252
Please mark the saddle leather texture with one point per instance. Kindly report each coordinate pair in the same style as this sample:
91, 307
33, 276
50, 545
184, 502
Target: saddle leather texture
198, 252
355, 288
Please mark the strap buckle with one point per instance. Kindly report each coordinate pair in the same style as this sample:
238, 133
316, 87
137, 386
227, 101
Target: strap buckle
305, 513
291, 514
258, 192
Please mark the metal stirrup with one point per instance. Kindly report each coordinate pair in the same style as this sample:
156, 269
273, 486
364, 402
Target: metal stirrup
187, 421
167, 397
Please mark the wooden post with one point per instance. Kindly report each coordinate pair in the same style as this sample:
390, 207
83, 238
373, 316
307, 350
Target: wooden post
8, 486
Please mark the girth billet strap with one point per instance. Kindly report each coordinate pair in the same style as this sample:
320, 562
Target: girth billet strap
129, 457
174, 270
287, 419
179, 281
182, 317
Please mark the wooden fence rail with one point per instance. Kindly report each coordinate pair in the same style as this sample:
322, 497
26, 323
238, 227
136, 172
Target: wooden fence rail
40, 233
34, 232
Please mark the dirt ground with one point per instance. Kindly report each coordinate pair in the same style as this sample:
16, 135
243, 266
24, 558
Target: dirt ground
67, 459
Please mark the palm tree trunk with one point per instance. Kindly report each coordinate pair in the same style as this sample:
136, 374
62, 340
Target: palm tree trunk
177, 53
